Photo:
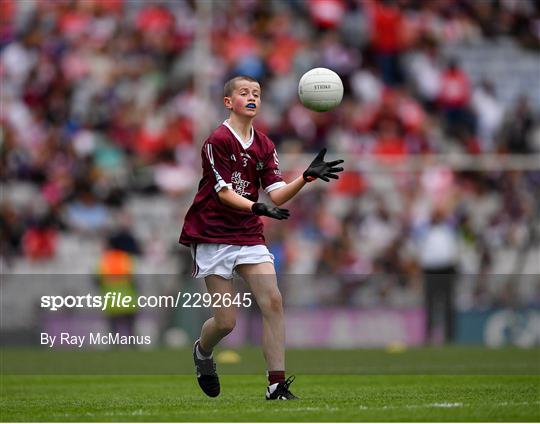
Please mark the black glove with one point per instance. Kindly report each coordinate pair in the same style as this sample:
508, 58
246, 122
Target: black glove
321, 169
276, 213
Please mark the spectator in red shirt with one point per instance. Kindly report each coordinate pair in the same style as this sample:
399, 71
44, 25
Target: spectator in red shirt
154, 18
453, 99
386, 31
39, 241
390, 143
327, 14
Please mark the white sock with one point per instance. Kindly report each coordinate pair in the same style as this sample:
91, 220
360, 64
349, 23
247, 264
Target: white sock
200, 355
272, 387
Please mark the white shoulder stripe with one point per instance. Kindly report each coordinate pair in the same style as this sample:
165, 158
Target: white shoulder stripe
220, 182
210, 154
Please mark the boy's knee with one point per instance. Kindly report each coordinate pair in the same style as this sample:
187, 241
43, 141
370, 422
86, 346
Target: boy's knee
274, 302
226, 325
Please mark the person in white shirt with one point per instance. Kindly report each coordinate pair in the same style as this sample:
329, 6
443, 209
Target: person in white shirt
438, 253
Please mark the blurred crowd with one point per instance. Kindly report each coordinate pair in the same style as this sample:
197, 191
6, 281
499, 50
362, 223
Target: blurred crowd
99, 104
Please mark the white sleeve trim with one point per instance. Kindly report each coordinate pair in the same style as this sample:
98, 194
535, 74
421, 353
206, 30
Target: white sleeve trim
222, 184
274, 186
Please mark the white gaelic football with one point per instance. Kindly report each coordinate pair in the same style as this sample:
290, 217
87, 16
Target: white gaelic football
320, 89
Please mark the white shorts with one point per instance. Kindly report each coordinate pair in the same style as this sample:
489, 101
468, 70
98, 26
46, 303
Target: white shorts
221, 259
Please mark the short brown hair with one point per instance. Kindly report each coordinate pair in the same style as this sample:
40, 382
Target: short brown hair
230, 85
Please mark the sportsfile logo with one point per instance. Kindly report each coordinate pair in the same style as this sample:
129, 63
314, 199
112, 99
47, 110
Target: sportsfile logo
118, 300
109, 300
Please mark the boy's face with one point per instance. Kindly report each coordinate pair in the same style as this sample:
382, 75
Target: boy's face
245, 99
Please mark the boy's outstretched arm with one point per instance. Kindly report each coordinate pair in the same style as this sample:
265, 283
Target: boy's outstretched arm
234, 200
287, 192
317, 169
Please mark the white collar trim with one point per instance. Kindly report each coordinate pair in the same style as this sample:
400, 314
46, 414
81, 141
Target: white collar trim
245, 145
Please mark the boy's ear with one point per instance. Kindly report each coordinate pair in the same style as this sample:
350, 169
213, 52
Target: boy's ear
227, 102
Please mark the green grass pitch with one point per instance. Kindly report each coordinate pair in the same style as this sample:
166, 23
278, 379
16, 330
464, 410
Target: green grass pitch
427, 384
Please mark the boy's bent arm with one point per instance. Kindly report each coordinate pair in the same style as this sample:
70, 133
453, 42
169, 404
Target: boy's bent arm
287, 192
234, 200
231, 198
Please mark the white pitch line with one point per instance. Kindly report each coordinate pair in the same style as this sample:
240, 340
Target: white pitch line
447, 405
436, 405
442, 405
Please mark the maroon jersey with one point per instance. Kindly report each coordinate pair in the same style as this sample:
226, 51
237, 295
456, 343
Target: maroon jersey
243, 167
